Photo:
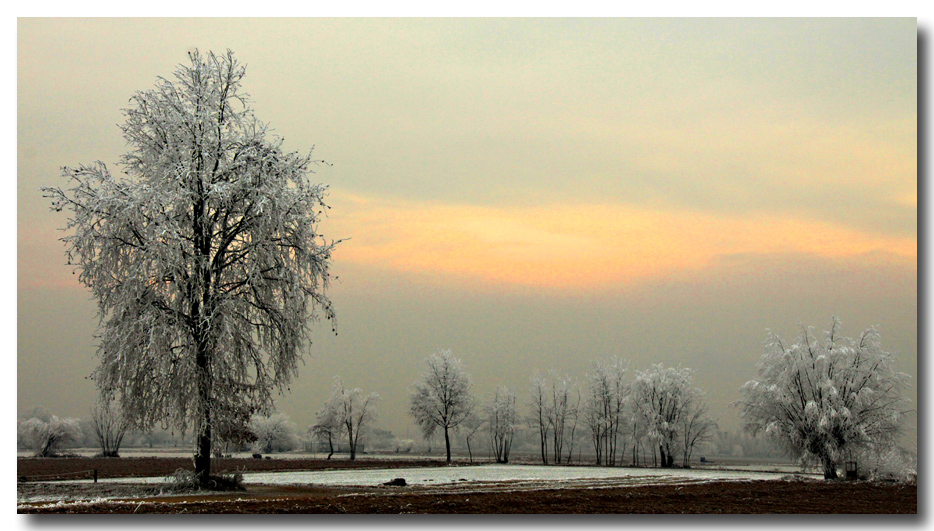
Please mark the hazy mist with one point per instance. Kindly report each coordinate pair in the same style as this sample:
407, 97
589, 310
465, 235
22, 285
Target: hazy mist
529, 193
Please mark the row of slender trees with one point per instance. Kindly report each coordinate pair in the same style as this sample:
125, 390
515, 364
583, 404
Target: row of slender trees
658, 409
824, 400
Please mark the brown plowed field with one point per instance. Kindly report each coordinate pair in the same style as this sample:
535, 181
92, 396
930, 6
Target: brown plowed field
53, 468
742, 497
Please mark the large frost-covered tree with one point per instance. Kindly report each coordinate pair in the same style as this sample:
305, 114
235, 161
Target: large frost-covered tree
442, 398
204, 257
825, 400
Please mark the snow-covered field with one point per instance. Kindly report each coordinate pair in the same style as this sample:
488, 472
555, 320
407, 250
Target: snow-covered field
481, 478
497, 473
483, 473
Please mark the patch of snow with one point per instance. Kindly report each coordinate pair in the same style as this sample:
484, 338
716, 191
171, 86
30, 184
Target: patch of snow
482, 473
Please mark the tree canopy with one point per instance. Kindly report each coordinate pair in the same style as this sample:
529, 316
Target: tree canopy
204, 257
442, 398
825, 400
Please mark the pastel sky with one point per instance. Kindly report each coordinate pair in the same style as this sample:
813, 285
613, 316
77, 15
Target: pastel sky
530, 193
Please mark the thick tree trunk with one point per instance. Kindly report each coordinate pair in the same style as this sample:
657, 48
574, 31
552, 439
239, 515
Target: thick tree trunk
203, 450
203, 457
830, 468
201, 307
447, 443
666, 460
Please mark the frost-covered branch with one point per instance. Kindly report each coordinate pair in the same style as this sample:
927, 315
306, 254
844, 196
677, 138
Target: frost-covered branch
442, 399
824, 400
204, 256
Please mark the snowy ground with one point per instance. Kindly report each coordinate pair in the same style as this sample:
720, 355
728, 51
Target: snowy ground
463, 479
483, 473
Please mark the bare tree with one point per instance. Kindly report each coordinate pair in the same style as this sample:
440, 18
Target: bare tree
553, 413
502, 419
604, 408
355, 411
109, 426
563, 410
205, 259
328, 426
825, 399
442, 398
695, 427
538, 412
472, 425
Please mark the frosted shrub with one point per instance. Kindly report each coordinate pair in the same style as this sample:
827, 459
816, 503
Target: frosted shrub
888, 463
186, 480
182, 479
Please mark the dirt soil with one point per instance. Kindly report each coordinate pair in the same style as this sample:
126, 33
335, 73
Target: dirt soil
739, 497
56, 468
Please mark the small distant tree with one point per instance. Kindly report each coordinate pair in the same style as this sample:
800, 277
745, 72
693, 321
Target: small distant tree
826, 399
328, 425
539, 413
663, 397
472, 425
274, 433
49, 437
502, 419
356, 413
604, 412
442, 398
695, 427
553, 413
109, 426
155, 437
563, 408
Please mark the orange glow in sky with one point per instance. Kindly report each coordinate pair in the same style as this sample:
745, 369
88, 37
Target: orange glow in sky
580, 245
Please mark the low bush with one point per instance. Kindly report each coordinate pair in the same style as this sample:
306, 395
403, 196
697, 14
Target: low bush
186, 480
